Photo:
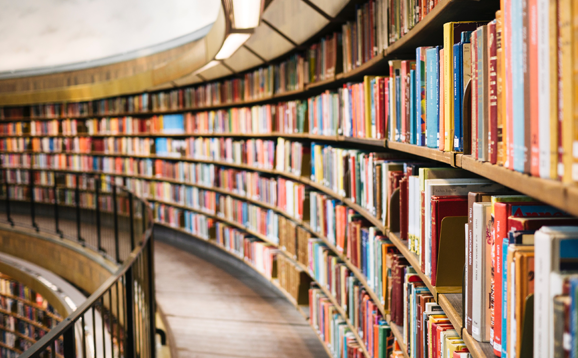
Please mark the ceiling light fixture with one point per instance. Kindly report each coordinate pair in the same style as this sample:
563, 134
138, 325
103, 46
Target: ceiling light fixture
231, 45
246, 13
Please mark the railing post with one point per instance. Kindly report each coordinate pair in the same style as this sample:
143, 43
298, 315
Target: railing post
56, 217
152, 301
77, 199
129, 309
98, 236
69, 350
32, 202
143, 216
131, 218
115, 218
7, 198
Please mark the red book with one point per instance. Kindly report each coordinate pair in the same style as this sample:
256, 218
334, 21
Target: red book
493, 89
534, 106
434, 340
502, 211
404, 100
422, 219
442, 207
525, 223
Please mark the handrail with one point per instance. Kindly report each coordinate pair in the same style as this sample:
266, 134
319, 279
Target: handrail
132, 283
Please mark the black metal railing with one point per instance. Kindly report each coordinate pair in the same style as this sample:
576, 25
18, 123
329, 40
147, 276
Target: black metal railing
118, 320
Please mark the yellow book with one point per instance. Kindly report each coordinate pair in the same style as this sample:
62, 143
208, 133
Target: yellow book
567, 74
454, 345
367, 99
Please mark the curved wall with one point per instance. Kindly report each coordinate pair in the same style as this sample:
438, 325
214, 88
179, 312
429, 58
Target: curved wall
74, 263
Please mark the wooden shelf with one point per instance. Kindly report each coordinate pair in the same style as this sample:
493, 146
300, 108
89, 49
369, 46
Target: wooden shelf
18, 334
32, 304
429, 31
399, 336
429, 153
4, 345
22, 318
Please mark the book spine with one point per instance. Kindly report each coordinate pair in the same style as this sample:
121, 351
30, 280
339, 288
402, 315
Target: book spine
432, 97
477, 283
458, 93
499, 232
474, 86
566, 60
518, 82
500, 89
412, 108
508, 80
442, 101
493, 94
482, 93
448, 80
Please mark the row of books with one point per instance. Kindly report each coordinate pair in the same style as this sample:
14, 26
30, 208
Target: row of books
28, 311
47, 144
13, 324
332, 328
51, 127
293, 280
427, 330
197, 224
12, 340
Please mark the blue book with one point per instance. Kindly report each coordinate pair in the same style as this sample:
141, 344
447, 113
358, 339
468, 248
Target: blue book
312, 164
458, 94
398, 100
573, 316
173, 124
413, 125
420, 83
518, 9
161, 146
432, 93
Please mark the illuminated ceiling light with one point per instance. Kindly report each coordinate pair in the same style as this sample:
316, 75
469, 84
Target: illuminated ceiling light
231, 45
246, 13
206, 67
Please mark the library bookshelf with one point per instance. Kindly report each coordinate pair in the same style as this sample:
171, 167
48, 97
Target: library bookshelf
24, 320
428, 31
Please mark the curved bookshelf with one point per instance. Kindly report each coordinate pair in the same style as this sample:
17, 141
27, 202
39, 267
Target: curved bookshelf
426, 32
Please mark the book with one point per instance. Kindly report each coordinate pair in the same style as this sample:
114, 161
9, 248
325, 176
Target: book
432, 110
554, 246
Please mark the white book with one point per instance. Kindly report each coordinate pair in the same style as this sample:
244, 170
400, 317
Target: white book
482, 271
448, 187
548, 243
410, 209
544, 87
467, 298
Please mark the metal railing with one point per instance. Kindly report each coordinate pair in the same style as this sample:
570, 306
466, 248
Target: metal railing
118, 320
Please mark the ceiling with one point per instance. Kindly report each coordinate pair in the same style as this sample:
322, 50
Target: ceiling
46, 36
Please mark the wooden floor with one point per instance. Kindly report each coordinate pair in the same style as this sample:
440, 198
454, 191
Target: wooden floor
217, 310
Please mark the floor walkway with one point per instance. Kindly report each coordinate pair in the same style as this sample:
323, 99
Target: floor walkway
217, 310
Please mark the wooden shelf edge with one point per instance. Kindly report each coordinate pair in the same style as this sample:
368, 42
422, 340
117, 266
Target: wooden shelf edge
399, 336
